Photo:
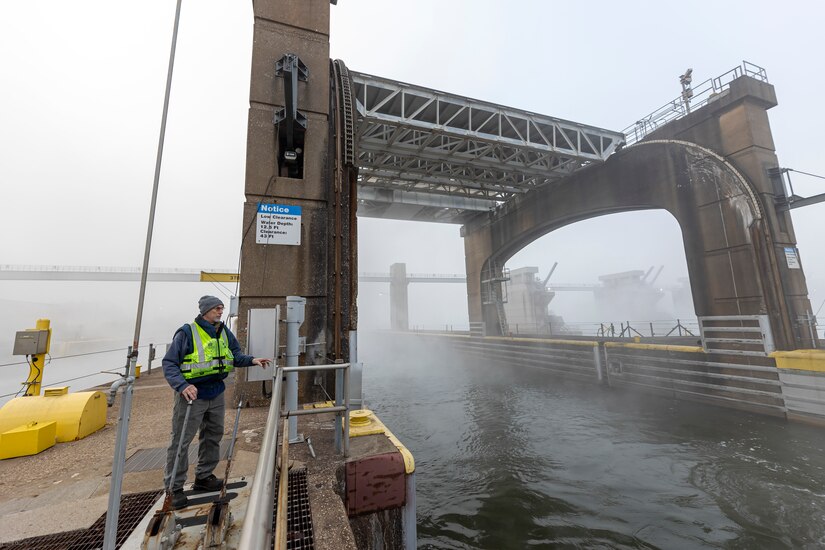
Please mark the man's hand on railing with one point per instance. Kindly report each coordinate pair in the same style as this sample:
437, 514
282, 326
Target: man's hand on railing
262, 362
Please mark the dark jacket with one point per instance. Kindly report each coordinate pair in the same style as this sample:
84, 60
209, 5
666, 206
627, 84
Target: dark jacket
210, 386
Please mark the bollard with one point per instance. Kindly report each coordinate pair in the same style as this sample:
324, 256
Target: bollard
152, 350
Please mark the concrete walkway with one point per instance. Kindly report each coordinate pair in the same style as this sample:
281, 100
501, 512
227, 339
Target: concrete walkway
66, 487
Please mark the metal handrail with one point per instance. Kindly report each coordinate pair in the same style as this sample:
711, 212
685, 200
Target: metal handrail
100, 269
257, 532
342, 409
703, 94
257, 524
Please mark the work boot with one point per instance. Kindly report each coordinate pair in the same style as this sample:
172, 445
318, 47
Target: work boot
209, 483
179, 500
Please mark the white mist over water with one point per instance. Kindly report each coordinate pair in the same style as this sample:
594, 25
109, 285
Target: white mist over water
514, 457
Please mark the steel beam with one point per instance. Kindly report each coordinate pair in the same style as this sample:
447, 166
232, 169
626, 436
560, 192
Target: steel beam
417, 140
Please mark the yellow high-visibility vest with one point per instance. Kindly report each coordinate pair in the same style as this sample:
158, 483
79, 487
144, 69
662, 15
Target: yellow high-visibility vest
209, 355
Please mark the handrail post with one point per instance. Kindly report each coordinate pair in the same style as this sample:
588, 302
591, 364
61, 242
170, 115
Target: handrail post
346, 411
294, 319
339, 417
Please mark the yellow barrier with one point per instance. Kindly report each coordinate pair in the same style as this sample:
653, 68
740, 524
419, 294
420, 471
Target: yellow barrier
76, 414
364, 422
27, 440
655, 347
812, 360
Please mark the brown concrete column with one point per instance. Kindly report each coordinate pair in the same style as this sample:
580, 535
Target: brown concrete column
710, 171
270, 272
478, 249
735, 125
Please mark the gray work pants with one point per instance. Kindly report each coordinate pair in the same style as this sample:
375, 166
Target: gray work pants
206, 416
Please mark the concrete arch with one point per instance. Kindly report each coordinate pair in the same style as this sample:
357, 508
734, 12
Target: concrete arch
729, 245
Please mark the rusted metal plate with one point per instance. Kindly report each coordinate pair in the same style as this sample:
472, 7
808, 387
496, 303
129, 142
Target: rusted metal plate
375, 483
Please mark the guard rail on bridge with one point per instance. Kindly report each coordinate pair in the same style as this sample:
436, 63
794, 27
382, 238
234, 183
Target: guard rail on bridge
699, 95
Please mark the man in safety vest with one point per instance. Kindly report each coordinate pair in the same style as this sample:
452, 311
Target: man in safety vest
200, 356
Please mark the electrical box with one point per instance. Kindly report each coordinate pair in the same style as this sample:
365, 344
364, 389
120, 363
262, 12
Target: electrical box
262, 339
31, 342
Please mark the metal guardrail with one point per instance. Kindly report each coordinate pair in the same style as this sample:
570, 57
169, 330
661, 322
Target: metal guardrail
737, 335
702, 94
98, 269
257, 524
257, 532
662, 328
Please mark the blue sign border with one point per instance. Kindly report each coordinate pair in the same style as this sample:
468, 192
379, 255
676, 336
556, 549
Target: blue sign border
281, 209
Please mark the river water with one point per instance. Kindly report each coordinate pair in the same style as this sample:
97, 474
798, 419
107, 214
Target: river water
512, 457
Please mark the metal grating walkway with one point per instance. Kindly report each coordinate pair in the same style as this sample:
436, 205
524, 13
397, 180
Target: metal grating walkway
132, 510
299, 518
155, 458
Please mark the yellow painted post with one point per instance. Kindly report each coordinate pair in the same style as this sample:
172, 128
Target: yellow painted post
38, 361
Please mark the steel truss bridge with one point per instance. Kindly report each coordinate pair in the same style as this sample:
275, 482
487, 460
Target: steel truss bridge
433, 156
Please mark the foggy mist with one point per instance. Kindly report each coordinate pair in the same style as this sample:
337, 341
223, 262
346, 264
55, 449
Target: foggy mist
78, 139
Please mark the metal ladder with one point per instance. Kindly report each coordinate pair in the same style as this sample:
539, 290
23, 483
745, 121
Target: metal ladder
496, 296
502, 317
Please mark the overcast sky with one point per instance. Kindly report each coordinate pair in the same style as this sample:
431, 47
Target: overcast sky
82, 90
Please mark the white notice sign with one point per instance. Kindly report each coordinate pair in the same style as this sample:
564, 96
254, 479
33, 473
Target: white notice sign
792, 258
278, 224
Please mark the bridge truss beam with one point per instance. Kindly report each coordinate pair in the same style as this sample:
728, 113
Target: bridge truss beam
415, 139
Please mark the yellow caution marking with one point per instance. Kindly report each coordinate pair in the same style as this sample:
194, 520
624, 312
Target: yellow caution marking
28, 439
214, 277
76, 414
655, 347
812, 360
320, 405
585, 343
364, 422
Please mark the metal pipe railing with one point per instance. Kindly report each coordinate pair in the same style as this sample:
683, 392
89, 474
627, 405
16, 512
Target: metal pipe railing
342, 409
283, 493
257, 524
257, 532
703, 93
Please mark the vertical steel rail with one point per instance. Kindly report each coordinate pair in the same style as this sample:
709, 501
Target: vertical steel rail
174, 471
346, 412
113, 510
339, 417
283, 492
294, 319
409, 521
257, 523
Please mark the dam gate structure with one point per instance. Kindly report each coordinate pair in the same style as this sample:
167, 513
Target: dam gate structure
712, 171
328, 143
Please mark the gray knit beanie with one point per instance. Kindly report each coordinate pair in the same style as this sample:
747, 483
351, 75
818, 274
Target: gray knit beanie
208, 302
